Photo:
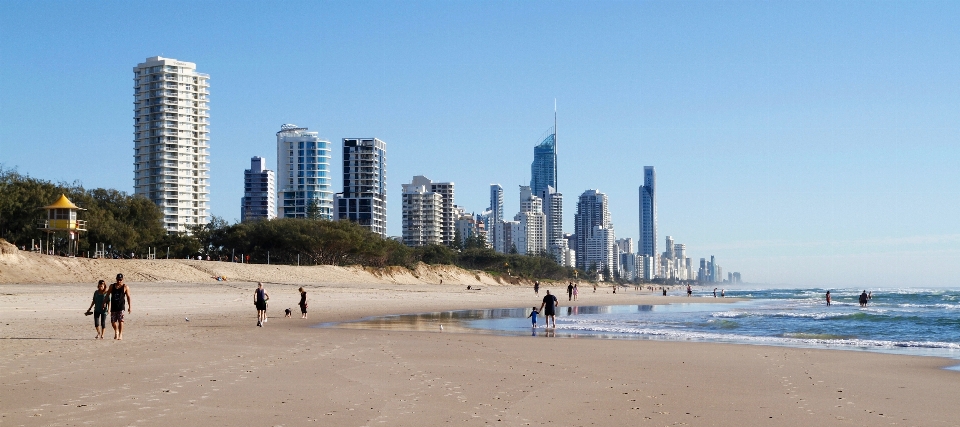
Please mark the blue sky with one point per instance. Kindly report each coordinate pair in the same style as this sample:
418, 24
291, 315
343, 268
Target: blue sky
805, 143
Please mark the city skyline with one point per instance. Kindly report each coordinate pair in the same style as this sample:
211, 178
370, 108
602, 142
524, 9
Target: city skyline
780, 132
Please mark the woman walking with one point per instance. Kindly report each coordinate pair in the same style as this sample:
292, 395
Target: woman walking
303, 304
99, 306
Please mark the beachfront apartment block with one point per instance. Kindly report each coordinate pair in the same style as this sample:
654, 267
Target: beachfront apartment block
592, 212
364, 196
303, 174
529, 236
494, 217
422, 210
258, 192
171, 137
448, 214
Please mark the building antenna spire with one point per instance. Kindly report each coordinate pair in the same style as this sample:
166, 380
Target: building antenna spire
555, 168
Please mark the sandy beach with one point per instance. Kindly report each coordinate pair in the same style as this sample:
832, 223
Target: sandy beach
218, 368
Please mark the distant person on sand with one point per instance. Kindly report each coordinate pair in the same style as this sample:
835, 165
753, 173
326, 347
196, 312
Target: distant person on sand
714, 292
723, 293
303, 304
99, 306
689, 290
119, 294
863, 298
533, 317
260, 297
664, 291
576, 291
549, 309
594, 288
570, 292
828, 297
536, 288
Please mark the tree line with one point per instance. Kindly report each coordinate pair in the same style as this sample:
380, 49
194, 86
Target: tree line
129, 224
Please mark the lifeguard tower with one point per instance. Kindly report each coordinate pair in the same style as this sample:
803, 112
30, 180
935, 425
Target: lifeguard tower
62, 218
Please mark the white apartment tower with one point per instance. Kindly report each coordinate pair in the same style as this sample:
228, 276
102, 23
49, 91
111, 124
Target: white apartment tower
171, 140
364, 196
303, 169
421, 214
448, 214
258, 188
529, 235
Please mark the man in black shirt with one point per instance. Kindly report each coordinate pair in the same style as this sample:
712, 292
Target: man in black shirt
570, 292
549, 309
119, 294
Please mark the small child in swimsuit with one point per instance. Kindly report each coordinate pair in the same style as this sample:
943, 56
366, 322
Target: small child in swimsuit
533, 317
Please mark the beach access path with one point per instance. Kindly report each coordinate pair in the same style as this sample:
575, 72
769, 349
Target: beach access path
218, 368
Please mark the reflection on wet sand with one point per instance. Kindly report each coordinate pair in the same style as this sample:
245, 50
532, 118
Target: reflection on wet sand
501, 321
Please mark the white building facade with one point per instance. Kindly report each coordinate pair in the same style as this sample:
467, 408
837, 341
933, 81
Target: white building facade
303, 169
172, 140
421, 215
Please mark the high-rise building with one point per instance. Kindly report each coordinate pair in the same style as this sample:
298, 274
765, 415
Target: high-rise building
303, 169
543, 170
448, 212
171, 164
421, 214
258, 188
593, 218
495, 217
529, 236
553, 214
648, 213
364, 197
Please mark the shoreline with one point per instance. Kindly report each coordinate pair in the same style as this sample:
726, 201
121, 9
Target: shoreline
220, 369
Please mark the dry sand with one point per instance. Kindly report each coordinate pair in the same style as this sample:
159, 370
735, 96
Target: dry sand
220, 369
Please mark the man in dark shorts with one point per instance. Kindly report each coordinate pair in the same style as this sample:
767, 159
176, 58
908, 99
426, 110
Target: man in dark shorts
119, 294
260, 297
570, 292
549, 309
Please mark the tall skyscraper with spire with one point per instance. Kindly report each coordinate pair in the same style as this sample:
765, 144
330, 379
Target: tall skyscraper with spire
648, 213
543, 184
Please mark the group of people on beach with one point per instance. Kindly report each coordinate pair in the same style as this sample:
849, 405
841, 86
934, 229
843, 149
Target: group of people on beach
260, 298
113, 299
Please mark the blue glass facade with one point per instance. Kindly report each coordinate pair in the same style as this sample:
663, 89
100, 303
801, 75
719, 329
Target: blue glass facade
543, 171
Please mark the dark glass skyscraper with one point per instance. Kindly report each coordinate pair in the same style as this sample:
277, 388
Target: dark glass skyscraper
648, 213
543, 171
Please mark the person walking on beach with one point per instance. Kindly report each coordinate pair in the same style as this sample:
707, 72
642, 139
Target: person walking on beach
260, 297
714, 292
119, 294
303, 304
689, 291
576, 291
570, 292
828, 297
533, 317
864, 298
99, 306
536, 288
549, 309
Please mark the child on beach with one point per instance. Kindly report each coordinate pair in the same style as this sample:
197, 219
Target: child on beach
533, 317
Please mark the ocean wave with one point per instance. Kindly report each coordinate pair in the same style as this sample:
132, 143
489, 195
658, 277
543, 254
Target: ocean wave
797, 339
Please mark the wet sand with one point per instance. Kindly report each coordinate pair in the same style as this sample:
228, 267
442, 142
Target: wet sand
218, 368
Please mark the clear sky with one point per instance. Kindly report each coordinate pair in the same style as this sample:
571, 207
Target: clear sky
810, 143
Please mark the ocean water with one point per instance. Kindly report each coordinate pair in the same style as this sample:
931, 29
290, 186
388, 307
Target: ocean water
906, 321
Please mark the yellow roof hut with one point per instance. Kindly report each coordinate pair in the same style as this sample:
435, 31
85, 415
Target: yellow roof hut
62, 217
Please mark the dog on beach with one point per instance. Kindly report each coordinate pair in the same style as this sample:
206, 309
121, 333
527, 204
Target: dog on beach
287, 313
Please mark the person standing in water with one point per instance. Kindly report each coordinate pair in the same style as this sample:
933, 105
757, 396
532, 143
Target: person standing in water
260, 297
828, 297
99, 306
863, 298
549, 309
119, 294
